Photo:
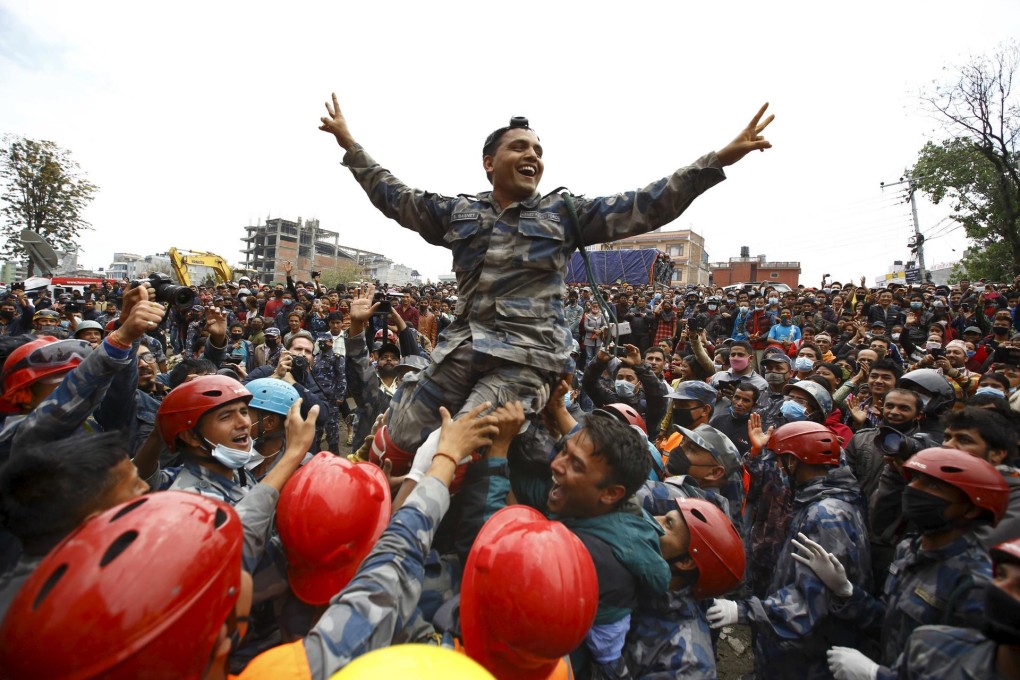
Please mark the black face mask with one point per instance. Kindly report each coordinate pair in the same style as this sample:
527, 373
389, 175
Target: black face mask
678, 462
999, 330
1002, 616
684, 417
902, 427
927, 511
237, 336
7, 314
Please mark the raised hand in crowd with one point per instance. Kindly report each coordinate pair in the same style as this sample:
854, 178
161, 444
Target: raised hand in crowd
362, 308
750, 139
335, 124
143, 315
509, 418
759, 438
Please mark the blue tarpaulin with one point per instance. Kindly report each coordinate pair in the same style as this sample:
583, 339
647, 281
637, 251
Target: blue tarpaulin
620, 266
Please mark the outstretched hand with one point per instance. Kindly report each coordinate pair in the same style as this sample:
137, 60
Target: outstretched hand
336, 125
759, 439
749, 139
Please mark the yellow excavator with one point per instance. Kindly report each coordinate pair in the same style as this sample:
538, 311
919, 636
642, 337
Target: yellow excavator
180, 260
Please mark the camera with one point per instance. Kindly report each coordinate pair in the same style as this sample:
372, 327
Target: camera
232, 360
892, 442
167, 291
937, 352
72, 307
620, 352
298, 366
315, 275
518, 122
697, 323
385, 306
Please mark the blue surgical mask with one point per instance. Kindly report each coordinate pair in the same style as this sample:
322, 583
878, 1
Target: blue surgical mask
624, 388
773, 301
793, 411
743, 310
566, 400
803, 363
989, 390
916, 305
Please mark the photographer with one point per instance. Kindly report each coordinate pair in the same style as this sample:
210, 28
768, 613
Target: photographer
634, 385
294, 368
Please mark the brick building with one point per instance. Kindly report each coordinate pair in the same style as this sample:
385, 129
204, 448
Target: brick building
747, 269
684, 247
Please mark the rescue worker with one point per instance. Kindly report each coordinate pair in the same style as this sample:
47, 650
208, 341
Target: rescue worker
669, 634
510, 249
793, 625
935, 578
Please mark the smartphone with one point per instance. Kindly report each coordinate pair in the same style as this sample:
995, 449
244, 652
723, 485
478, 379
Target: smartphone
937, 352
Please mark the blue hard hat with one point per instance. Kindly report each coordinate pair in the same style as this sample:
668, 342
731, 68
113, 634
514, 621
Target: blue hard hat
272, 395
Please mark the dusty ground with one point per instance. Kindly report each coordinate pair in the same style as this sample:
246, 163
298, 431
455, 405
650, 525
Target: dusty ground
733, 655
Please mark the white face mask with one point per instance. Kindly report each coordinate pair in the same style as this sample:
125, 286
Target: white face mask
235, 459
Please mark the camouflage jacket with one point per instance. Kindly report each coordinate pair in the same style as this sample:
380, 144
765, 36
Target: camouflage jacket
510, 260
947, 653
925, 587
329, 371
669, 638
793, 625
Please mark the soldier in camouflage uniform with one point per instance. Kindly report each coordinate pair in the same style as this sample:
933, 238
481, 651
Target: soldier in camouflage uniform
669, 635
793, 625
329, 372
937, 577
510, 250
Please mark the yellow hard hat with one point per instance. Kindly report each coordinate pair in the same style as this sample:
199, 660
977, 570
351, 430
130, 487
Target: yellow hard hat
413, 661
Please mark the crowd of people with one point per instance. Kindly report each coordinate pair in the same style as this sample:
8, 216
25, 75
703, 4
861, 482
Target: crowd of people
528, 493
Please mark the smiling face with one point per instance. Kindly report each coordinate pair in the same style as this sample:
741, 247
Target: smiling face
516, 168
579, 480
229, 425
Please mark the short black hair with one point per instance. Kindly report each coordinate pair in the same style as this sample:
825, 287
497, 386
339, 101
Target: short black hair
916, 396
997, 429
887, 365
48, 489
657, 350
334, 316
747, 386
188, 367
742, 343
622, 448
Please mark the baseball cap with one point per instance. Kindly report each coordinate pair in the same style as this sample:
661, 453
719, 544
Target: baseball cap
972, 329
716, 443
777, 357
694, 390
388, 347
273, 331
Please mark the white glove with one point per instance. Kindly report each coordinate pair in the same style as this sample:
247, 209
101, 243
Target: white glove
722, 613
423, 457
849, 664
826, 566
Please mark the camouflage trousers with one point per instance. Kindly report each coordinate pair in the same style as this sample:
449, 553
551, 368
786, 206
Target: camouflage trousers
460, 382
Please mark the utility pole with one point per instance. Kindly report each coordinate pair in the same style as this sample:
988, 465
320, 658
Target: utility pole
918, 242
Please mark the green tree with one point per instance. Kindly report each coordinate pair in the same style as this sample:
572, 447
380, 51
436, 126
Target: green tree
975, 167
43, 190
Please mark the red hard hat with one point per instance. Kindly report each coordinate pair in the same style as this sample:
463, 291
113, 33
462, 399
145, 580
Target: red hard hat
975, 477
186, 403
1006, 552
528, 596
141, 590
330, 514
715, 547
628, 415
811, 443
383, 448
39, 359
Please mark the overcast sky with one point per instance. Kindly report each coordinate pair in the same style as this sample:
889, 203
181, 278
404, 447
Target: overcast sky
198, 118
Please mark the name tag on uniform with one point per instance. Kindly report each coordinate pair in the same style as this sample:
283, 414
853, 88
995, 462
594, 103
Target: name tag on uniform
927, 597
535, 215
465, 216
